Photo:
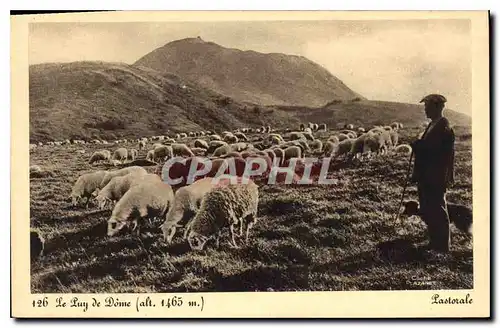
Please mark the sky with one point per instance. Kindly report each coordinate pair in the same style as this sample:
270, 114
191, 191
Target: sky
401, 60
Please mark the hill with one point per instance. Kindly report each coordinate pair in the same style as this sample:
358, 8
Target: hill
266, 79
113, 100
368, 113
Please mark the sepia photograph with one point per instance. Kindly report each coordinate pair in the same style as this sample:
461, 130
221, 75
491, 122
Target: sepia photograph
202, 155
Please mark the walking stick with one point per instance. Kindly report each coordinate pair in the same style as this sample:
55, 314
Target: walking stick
404, 188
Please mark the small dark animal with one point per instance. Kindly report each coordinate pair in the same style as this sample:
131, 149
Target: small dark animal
460, 215
37, 244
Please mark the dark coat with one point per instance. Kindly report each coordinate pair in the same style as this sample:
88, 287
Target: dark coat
434, 156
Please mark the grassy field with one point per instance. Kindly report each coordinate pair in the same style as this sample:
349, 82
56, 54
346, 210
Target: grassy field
309, 238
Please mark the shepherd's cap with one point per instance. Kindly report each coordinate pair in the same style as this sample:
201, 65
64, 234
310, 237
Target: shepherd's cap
434, 98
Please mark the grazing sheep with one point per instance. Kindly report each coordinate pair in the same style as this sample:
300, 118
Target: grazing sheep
215, 137
149, 199
361, 130
334, 139
302, 127
460, 215
182, 135
85, 186
222, 150
124, 171
352, 135
394, 137
279, 155
132, 154
231, 138
116, 188
358, 146
200, 144
330, 148
162, 152
296, 136
100, 155
156, 145
186, 203
349, 126
214, 144
316, 145
292, 152
181, 150
342, 136
343, 148
403, 149
240, 146
241, 136
150, 156
378, 141
37, 244
142, 144
308, 130
228, 204
322, 127
120, 154
199, 151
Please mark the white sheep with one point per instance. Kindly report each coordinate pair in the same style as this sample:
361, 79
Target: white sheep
241, 136
100, 155
116, 173
230, 205
343, 148
181, 150
120, 154
215, 137
342, 136
334, 139
231, 138
132, 154
199, 143
222, 150
329, 148
292, 152
149, 199
117, 187
85, 186
187, 201
160, 153
240, 146
316, 145
150, 156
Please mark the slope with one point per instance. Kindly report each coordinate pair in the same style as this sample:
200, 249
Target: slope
267, 79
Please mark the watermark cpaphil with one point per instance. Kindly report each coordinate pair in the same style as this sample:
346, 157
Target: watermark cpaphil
303, 171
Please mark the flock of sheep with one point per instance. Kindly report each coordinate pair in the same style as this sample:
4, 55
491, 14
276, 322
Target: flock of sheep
213, 201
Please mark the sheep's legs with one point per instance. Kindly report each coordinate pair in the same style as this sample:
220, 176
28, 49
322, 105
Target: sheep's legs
232, 228
87, 202
217, 239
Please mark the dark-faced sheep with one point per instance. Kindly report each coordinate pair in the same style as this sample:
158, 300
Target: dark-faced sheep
322, 127
233, 205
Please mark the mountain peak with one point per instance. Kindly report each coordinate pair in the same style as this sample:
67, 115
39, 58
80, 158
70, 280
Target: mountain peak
249, 76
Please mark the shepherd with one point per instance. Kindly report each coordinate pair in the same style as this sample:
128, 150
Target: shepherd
433, 172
